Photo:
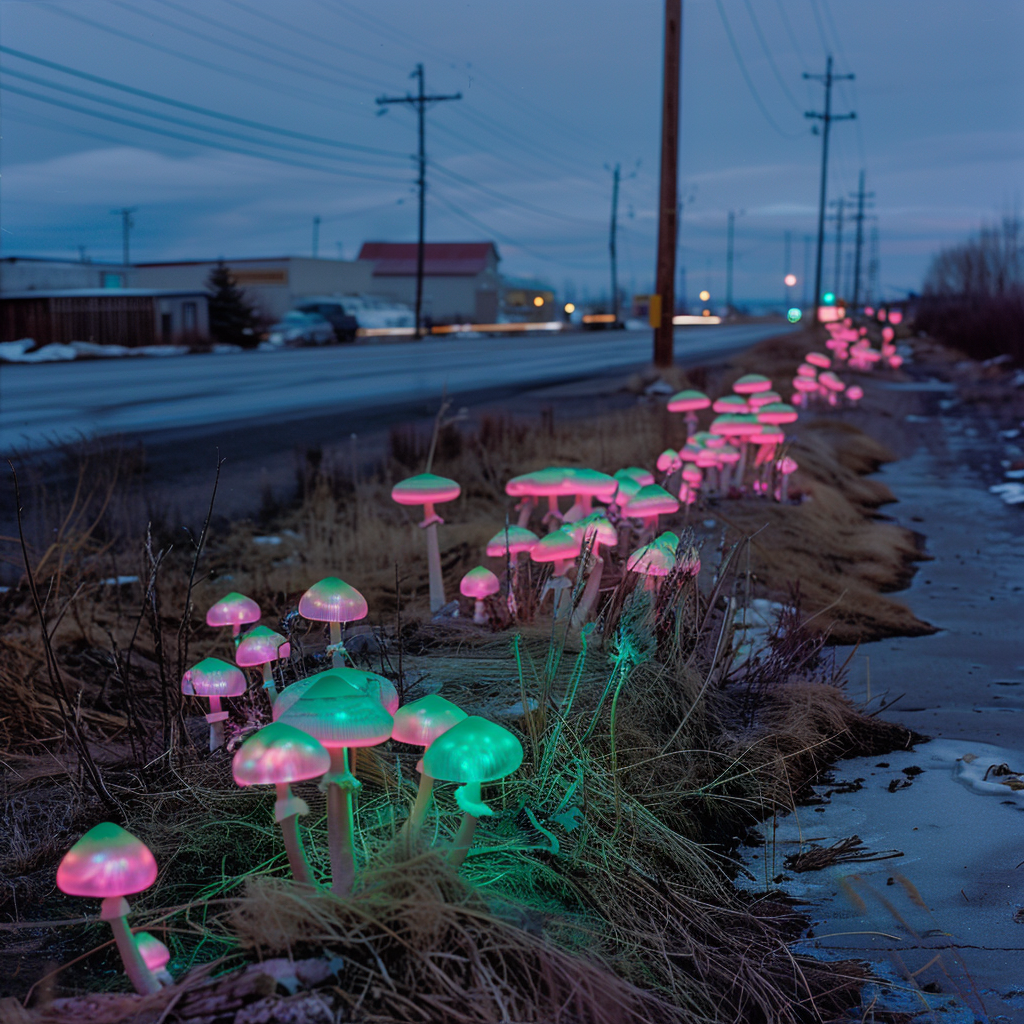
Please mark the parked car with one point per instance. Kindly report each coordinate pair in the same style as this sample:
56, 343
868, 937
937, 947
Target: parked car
345, 325
298, 328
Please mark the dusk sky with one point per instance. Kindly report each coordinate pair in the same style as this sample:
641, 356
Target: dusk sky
552, 92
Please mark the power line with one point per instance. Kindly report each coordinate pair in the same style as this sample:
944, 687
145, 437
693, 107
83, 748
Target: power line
771, 60
192, 139
789, 31
193, 125
205, 111
746, 77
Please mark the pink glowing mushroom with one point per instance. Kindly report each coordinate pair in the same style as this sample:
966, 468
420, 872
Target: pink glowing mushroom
777, 413
234, 610
531, 487
649, 503
278, 755
763, 398
786, 467
429, 490
341, 718
653, 561
854, 393
419, 723
751, 383
560, 547
668, 461
335, 602
587, 485
594, 532
689, 402
214, 679
155, 955
108, 863
888, 334
260, 648
818, 359
730, 405
895, 317
510, 544
479, 584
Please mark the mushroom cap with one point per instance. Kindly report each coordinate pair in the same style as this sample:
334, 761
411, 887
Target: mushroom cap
768, 434
591, 481
855, 392
651, 500
688, 401
750, 383
106, 861
727, 454
260, 646
541, 482
427, 487
594, 529
763, 398
332, 600
651, 560
805, 384
233, 609
692, 474
642, 476
331, 713
279, 753
422, 721
512, 539
556, 546
831, 381
667, 540
818, 359
212, 677
734, 424
730, 404
479, 583
667, 459
473, 750
155, 955
786, 465
777, 412
806, 370
627, 488
367, 684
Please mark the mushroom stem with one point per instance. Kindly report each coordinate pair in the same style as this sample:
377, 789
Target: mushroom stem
115, 910
691, 424
419, 808
469, 799
526, 507
337, 660
588, 601
289, 823
268, 682
216, 723
434, 566
479, 616
340, 825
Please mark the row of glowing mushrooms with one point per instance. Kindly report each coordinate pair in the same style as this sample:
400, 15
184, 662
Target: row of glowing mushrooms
319, 724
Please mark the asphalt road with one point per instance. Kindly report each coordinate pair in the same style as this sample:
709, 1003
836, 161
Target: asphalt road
183, 396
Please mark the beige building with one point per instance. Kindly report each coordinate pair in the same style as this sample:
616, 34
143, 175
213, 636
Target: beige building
461, 283
272, 285
34, 273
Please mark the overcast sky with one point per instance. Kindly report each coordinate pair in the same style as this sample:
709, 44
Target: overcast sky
553, 91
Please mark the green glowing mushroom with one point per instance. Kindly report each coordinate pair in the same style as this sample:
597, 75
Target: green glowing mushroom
472, 752
278, 755
419, 723
234, 610
261, 647
108, 864
340, 717
335, 602
155, 955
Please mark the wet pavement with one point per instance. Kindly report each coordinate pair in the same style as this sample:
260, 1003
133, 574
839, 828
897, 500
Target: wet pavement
944, 922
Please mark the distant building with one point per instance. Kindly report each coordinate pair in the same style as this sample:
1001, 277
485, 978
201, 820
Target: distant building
31, 273
527, 299
273, 285
461, 283
132, 317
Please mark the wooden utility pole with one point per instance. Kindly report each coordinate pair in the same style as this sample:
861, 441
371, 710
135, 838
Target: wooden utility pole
667, 209
729, 243
862, 198
127, 223
826, 119
611, 243
420, 101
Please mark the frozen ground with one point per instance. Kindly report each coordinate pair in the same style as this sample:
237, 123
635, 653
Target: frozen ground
952, 906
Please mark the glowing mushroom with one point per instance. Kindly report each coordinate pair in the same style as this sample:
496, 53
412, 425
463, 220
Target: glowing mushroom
234, 610
479, 584
689, 402
340, 717
214, 679
429, 490
155, 955
278, 755
594, 532
509, 544
369, 684
560, 547
261, 647
652, 561
751, 384
335, 602
586, 485
472, 752
419, 723
649, 503
108, 863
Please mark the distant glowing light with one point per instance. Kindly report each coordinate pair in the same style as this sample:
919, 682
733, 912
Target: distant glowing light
704, 296
570, 307
790, 280
538, 300
829, 298
794, 315
706, 312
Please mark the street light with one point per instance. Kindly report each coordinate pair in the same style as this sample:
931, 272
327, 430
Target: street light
570, 308
705, 295
538, 301
790, 280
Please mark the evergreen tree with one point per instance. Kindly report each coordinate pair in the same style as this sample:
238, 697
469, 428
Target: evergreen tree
232, 318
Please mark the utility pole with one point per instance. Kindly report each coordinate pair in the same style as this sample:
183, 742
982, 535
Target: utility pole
862, 198
665, 274
826, 119
420, 102
787, 245
125, 213
807, 265
874, 284
316, 237
838, 217
730, 235
611, 243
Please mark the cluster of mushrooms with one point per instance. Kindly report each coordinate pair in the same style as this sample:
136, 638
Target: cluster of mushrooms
320, 722
318, 725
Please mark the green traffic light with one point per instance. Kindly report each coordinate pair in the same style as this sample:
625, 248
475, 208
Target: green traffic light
828, 298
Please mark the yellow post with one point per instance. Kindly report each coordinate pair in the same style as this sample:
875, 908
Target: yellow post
654, 310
